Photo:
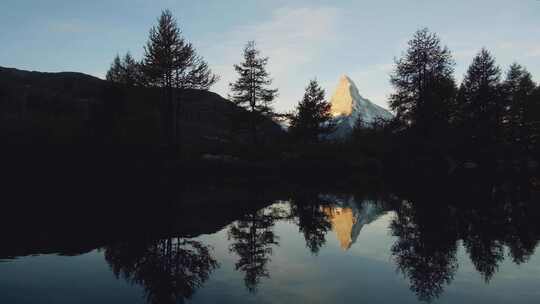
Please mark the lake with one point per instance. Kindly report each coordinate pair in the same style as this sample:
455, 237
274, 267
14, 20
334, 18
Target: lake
291, 247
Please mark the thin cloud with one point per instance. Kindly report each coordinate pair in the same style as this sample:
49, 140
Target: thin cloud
293, 38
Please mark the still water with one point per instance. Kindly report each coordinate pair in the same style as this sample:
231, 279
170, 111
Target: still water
316, 248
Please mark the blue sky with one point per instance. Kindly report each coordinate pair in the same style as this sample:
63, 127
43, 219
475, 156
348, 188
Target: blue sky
304, 39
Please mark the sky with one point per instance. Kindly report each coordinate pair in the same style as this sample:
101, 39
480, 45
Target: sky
304, 39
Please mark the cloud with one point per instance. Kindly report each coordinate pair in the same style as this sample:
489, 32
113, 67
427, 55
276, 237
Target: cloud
293, 38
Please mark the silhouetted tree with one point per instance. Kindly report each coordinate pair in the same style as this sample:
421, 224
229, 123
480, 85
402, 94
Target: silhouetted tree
114, 74
313, 118
132, 71
125, 71
424, 85
253, 240
532, 118
252, 88
170, 62
480, 102
518, 89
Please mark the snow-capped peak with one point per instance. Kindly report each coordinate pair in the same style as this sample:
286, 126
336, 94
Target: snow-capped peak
348, 105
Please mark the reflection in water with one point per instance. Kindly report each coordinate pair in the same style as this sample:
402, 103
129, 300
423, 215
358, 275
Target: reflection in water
343, 221
425, 250
170, 270
307, 211
428, 226
253, 240
348, 216
487, 217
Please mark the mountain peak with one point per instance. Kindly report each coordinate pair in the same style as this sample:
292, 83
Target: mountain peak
347, 106
345, 78
342, 100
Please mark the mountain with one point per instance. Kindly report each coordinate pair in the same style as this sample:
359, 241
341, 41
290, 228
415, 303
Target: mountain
348, 105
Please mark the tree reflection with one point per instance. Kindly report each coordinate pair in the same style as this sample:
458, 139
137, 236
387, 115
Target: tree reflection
313, 223
169, 270
253, 240
489, 217
425, 251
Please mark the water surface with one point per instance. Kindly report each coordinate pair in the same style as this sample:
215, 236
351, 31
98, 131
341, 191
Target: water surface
308, 248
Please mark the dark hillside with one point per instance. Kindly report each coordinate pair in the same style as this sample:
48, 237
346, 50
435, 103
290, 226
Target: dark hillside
69, 108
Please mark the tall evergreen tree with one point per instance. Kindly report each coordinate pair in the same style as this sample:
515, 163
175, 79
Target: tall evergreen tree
114, 74
131, 69
252, 88
480, 101
532, 119
312, 118
424, 84
125, 70
518, 89
171, 62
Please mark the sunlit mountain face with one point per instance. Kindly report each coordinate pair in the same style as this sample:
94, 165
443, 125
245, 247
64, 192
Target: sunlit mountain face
348, 106
348, 217
343, 222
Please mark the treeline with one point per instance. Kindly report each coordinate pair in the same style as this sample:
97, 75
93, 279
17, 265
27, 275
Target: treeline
488, 114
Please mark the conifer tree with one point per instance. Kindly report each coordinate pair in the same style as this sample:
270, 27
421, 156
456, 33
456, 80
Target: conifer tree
518, 89
424, 84
125, 70
114, 74
170, 62
480, 100
532, 118
131, 69
312, 118
252, 88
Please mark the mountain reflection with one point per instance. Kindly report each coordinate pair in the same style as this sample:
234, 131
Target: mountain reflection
348, 217
170, 270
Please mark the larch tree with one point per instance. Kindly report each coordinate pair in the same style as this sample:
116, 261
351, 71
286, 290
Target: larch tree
532, 118
126, 71
518, 89
252, 88
480, 99
313, 118
424, 84
114, 74
132, 70
170, 62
